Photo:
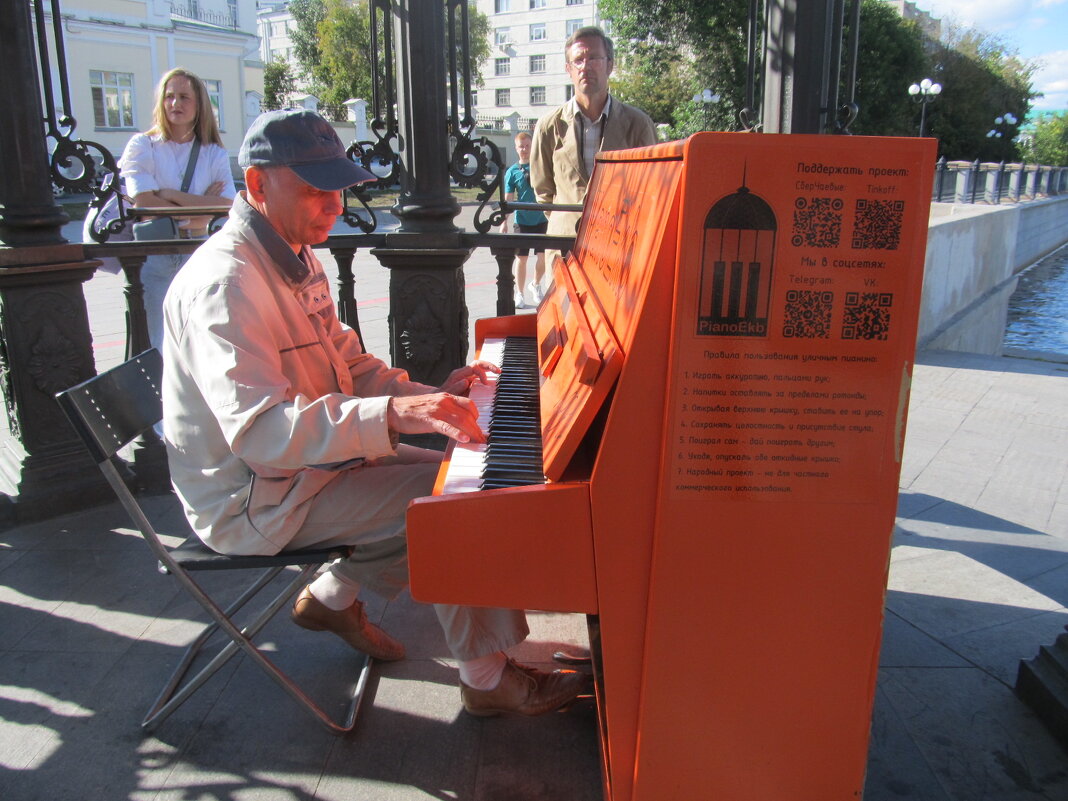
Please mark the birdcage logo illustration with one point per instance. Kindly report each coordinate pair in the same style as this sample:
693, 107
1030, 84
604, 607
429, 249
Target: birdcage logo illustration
737, 258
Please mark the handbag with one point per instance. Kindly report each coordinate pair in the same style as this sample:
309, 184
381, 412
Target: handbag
156, 228
165, 227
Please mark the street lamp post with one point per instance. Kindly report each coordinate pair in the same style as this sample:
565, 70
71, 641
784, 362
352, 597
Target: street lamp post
706, 98
1001, 125
924, 93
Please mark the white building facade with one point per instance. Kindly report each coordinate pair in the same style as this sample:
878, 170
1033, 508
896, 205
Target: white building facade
116, 51
275, 25
524, 76
930, 26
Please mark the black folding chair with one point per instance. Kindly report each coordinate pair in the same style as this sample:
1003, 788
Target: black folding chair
111, 410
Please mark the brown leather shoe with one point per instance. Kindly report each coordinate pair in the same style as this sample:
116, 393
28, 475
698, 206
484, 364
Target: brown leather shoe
524, 691
350, 624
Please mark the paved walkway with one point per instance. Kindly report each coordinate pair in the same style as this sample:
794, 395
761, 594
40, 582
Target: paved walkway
978, 581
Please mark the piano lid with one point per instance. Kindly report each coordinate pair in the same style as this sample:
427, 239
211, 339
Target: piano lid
587, 323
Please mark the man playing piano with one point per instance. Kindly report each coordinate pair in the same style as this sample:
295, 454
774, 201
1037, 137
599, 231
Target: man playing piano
282, 433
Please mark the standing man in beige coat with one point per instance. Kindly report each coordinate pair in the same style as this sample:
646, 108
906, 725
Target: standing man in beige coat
567, 140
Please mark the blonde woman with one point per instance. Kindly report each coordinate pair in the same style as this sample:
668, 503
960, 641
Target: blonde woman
154, 165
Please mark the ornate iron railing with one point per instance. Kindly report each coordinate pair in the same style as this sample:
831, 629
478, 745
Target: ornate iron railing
75, 165
191, 10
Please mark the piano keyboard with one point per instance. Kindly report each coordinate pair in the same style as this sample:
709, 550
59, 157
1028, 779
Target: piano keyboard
509, 413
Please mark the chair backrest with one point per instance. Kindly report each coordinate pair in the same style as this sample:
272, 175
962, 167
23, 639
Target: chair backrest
112, 409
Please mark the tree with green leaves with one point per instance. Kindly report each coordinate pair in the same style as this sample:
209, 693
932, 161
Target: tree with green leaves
1048, 142
278, 84
660, 98
332, 44
670, 51
891, 55
982, 79
344, 70
307, 14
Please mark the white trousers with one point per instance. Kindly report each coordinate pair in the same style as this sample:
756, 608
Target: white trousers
365, 507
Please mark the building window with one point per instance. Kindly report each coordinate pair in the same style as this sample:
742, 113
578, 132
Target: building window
571, 26
537, 4
537, 32
607, 26
574, 2
504, 97
215, 96
112, 98
502, 36
569, 91
474, 98
537, 64
502, 66
537, 95
501, 6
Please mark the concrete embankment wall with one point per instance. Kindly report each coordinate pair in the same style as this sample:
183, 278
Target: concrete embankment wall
973, 256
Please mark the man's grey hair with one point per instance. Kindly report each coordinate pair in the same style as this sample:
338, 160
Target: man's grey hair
589, 32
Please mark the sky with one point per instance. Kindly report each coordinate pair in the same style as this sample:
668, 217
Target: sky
1038, 29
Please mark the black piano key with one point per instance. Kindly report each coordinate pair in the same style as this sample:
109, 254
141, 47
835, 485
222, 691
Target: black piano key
513, 453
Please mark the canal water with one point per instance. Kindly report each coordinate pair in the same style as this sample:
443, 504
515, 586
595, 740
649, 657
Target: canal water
1038, 309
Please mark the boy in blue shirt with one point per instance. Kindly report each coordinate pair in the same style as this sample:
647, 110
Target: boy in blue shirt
517, 187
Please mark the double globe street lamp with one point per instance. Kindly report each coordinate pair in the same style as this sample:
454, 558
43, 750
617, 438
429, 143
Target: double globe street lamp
1001, 124
924, 93
707, 99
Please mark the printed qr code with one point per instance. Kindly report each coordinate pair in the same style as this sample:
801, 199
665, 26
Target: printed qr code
877, 224
807, 314
817, 222
867, 315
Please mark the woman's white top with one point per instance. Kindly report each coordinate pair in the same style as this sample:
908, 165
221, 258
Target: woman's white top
150, 163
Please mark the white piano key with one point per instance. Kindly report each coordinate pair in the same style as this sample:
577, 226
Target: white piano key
468, 459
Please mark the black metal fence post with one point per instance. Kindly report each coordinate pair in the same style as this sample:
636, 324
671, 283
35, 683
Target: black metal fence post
46, 344
940, 172
428, 311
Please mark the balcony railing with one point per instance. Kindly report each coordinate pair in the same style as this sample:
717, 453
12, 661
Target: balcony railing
191, 10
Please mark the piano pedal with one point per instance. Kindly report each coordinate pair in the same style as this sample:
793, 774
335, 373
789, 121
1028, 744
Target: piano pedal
572, 658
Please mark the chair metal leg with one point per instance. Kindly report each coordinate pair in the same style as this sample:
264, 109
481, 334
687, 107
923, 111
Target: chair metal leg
109, 412
206, 633
170, 700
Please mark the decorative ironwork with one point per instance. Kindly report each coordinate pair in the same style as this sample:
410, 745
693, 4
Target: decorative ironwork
475, 162
478, 163
359, 193
75, 165
422, 334
380, 157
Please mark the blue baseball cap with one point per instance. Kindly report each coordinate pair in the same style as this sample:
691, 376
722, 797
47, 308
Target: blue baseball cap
304, 142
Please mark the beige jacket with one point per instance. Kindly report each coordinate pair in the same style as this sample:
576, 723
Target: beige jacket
556, 169
266, 395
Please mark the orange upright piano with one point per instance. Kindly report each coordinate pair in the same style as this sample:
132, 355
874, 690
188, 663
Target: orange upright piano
702, 454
